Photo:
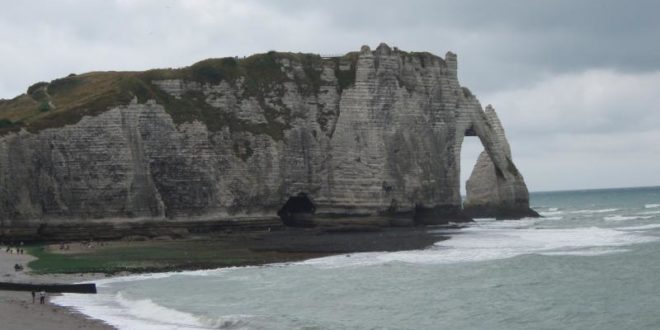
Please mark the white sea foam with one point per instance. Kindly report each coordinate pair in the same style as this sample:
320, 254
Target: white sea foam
594, 211
129, 278
642, 227
551, 213
124, 313
154, 276
651, 206
585, 252
486, 241
648, 212
625, 217
552, 218
553, 209
502, 224
484, 219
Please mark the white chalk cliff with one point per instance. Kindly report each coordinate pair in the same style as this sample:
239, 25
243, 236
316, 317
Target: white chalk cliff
372, 133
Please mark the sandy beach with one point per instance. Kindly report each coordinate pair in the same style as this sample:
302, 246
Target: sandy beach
17, 310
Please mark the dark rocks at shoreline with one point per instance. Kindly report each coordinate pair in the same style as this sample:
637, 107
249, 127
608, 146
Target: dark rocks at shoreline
331, 242
501, 213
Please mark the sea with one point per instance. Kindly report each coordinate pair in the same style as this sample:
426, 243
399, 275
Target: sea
591, 262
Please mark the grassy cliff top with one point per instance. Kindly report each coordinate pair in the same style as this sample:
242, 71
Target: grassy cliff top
66, 100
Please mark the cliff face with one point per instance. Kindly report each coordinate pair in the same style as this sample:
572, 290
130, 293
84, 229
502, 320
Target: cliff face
371, 133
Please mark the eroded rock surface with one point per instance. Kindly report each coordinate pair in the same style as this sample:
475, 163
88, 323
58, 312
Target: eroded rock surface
373, 133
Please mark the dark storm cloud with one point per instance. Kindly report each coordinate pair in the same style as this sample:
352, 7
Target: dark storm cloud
562, 35
514, 42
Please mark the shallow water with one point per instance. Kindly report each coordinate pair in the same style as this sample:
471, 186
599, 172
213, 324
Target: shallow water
591, 263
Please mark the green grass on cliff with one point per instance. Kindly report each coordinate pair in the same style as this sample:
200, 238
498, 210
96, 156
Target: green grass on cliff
152, 256
66, 100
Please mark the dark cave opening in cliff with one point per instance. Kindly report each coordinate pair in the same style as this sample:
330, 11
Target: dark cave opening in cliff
470, 150
298, 211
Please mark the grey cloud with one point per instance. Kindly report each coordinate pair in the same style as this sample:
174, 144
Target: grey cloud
540, 63
594, 101
564, 161
515, 40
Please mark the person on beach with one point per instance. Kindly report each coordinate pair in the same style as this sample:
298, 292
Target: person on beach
33, 295
42, 297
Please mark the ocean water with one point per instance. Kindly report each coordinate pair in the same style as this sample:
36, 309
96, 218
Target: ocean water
592, 262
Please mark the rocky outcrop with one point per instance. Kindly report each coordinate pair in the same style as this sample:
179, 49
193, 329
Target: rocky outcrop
496, 188
373, 133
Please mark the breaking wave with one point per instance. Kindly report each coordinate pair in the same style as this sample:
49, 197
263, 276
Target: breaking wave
594, 211
626, 217
642, 227
648, 212
498, 240
551, 213
124, 313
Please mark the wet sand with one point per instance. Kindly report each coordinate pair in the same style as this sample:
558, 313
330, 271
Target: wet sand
17, 310
347, 240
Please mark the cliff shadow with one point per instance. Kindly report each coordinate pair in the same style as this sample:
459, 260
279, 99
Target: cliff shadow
298, 211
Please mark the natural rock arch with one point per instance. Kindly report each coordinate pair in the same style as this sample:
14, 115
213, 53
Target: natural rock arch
495, 188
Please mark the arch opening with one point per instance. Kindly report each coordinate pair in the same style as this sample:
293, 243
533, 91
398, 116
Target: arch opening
471, 148
298, 211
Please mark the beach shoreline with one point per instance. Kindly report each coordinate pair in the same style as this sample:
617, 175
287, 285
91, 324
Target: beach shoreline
17, 310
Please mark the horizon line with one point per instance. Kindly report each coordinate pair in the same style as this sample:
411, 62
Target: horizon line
592, 189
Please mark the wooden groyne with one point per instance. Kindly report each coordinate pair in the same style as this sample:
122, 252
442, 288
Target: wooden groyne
50, 288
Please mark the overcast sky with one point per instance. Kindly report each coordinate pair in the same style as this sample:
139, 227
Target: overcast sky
576, 83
